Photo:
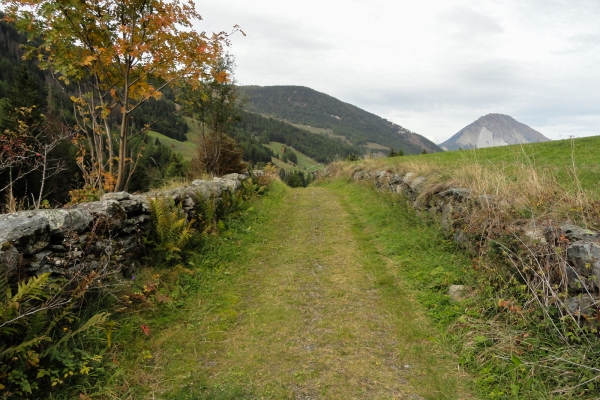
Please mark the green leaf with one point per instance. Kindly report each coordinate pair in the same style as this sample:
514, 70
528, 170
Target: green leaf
516, 360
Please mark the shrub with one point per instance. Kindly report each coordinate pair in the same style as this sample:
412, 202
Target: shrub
38, 324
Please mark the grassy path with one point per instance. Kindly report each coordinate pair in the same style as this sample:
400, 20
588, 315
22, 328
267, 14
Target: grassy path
314, 312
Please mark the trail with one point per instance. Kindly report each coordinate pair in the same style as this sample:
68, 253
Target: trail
315, 319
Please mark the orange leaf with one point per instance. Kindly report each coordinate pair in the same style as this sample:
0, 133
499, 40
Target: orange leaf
145, 329
163, 298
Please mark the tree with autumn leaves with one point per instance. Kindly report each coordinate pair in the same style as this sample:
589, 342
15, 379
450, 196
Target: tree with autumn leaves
119, 54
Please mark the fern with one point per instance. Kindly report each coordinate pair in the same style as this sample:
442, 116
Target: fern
95, 321
22, 347
32, 288
172, 233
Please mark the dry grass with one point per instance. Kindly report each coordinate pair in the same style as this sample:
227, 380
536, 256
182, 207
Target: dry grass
522, 187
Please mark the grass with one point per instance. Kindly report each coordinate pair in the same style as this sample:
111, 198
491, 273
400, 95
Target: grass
557, 180
560, 158
305, 163
187, 148
512, 350
293, 300
377, 146
322, 131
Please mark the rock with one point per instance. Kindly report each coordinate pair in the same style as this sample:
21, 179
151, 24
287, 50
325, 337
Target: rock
447, 221
10, 259
381, 174
582, 304
395, 179
38, 260
118, 196
133, 206
227, 184
402, 189
28, 231
584, 256
417, 184
574, 232
62, 220
110, 209
408, 177
359, 175
235, 177
458, 292
460, 194
460, 237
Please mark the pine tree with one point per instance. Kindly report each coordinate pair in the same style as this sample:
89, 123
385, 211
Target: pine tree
24, 93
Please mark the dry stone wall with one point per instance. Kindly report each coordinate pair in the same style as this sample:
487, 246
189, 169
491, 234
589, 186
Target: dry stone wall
100, 235
566, 255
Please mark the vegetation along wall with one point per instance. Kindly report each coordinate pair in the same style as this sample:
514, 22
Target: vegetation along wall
559, 262
96, 236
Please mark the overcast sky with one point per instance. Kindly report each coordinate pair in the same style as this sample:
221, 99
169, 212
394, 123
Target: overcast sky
432, 66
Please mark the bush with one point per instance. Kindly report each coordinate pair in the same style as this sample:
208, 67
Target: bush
39, 322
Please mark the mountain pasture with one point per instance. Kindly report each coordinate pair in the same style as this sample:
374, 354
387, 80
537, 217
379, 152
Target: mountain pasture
574, 163
304, 163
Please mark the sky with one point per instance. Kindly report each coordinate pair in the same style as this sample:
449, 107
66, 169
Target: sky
431, 66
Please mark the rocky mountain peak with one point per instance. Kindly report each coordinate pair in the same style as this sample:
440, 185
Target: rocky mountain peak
493, 130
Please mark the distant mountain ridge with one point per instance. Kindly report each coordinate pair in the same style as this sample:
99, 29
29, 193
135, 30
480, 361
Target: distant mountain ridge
305, 106
493, 130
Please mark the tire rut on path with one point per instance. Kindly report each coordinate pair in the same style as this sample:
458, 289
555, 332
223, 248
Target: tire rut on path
313, 326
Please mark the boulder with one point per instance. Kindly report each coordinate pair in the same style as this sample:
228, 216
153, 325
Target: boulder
582, 304
584, 255
417, 184
574, 232
460, 194
27, 230
359, 175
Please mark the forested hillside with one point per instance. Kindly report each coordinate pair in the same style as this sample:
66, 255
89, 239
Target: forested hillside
10, 59
301, 105
24, 84
264, 130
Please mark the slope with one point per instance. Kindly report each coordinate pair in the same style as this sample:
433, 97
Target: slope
304, 106
318, 147
304, 162
493, 130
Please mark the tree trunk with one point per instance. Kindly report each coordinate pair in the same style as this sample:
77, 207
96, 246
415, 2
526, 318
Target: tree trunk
123, 137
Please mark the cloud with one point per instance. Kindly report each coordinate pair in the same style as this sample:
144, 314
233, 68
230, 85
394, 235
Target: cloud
470, 25
432, 66
467, 27
580, 43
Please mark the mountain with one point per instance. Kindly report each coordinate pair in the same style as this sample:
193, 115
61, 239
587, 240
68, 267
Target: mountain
493, 130
264, 130
311, 109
